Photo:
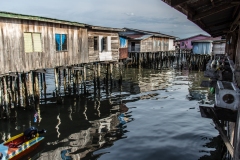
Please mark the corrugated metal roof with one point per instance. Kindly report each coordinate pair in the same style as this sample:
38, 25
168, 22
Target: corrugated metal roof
191, 37
157, 34
106, 28
137, 36
202, 41
37, 18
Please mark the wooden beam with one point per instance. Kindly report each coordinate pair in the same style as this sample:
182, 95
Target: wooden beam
236, 143
177, 2
235, 22
235, 11
213, 11
228, 23
222, 133
212, 3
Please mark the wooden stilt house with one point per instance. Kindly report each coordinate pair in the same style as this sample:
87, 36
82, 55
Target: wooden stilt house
147, 41
32, 42
103, 43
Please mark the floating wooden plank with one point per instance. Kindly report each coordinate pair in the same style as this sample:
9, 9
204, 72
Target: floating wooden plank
221, 113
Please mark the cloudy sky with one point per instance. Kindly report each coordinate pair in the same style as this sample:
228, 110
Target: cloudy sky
151, 15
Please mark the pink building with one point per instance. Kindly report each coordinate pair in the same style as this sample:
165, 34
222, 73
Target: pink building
186, 43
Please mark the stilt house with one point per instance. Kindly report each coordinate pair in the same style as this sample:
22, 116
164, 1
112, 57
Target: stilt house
147, 41
32, 42
103, 43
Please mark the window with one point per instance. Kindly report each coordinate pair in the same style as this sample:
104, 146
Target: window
182, 43
61, 42
32, 42
104, 44
95, 43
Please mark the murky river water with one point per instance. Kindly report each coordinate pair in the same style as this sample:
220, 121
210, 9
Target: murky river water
153, 116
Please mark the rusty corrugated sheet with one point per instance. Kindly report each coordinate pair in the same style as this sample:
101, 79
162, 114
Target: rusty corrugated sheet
137, 36
123, 53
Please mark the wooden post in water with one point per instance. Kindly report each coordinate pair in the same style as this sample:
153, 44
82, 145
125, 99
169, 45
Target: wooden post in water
111, 75
36, 87
74, 81
1, 94
44, 86
64, 80
120, 78
23, 90
56, 80
106, 79
94, 79
18, 90
31, 87
84, 78
98, 77
6, 94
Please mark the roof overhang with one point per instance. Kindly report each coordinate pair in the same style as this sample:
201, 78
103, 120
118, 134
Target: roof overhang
216, 17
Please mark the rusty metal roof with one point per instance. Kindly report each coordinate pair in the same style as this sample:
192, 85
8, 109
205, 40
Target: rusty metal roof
137, 36
106, 28
37, 18
157, 34
192, 37
216, 17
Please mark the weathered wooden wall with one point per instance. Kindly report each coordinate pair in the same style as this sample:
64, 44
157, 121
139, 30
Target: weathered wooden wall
155, 44
14, 59
94, 55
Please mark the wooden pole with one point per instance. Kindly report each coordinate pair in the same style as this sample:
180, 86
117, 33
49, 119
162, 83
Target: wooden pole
84, 78
111, 75
36, 84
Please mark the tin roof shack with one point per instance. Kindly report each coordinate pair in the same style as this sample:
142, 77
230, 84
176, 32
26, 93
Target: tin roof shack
202, 47
123, 50
103, 43
147, 41
186, 43
219, 47
32, 42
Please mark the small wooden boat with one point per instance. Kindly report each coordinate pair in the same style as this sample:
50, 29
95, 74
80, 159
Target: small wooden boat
21, 144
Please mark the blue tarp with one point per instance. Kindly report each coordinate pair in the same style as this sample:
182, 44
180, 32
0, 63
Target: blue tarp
123, 42
202, 48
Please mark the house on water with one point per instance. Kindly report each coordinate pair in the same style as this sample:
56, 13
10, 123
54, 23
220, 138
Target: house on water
186, 43
103, 43
147, 41
204, 46
32, 42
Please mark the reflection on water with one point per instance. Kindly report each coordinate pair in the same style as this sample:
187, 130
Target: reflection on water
153, 115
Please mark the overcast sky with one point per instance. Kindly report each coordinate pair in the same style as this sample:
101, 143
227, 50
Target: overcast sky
151, 15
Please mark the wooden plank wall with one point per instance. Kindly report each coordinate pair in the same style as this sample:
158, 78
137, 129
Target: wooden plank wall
14, 59
155, 44
94, 55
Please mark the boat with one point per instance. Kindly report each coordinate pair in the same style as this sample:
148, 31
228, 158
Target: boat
21, 145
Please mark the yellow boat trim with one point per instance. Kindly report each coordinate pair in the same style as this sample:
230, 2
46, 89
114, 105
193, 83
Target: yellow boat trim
25, 146
12, 138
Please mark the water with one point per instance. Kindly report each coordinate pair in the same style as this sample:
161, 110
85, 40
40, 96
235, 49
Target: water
160, 108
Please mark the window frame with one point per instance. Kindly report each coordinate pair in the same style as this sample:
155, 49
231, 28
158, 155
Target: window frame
33, 41
65, 43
